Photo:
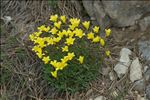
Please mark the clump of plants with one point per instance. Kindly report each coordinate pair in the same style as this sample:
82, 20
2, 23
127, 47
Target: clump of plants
70, 51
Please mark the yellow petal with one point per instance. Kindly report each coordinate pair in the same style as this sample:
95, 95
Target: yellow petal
81, 58
63, 18
54, 74
86, 24
46, 59
107, 53
107, 31
96, 29
65, 49
96, 39
54, 18
90, 35
102, 42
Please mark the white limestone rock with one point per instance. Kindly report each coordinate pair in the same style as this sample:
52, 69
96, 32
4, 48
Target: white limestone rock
100, 98
135, 70
122, 67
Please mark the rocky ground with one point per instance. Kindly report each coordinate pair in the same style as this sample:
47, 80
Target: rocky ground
124, 76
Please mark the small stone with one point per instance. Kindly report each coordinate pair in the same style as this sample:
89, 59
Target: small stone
111, 76
148, 91
124, 55
140, 98
147, 75
90, 99
120, 69
135, 70
145, 68
7, 19
89, 92
144, 48
100, 98
144, 23
139, 85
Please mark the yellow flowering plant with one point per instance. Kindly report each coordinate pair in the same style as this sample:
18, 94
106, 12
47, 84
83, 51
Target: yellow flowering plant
71, 52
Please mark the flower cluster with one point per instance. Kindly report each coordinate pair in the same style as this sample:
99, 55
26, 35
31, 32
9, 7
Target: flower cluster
59, 32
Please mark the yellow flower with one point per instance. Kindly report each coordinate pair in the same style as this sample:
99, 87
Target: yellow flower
65, 32
96, 29
65, 49
70, 41
57, 24
81, 58
49, 40
70, 56
63, 18
41, 28
107, 53
107, 31
44, 28
61, 65
54, 63
40, 41
56, 39
54, 30
54, 18
32, 37
70, 33
86, 24
102, 42
75, 22
79, 33
60, 34
90, 35
72, 27
36, 48
54, 74
58, 65
39, 54
46, 59
38, 51
65, 59
96, 39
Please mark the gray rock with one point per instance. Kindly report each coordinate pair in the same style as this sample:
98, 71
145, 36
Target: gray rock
148, 91
77, 5
111, 76
135, 70
125, 13
140, 98
124, 56
144, 48
146, 68
139, 85
147, 74
100, 98
88, 5
7, 19
144, 23
118, 13
102, 18
120, 69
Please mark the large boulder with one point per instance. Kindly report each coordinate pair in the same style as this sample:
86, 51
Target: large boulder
119, 13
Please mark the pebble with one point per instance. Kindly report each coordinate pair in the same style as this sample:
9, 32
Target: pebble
148, 91
135, 70
100, 98
122, 66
